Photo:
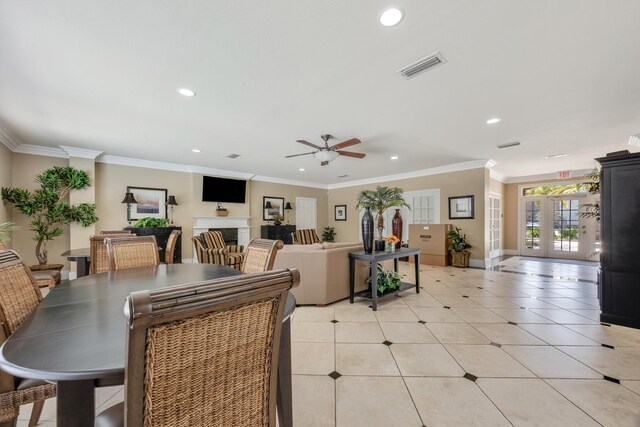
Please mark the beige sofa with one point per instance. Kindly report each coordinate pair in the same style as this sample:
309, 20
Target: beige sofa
324, 270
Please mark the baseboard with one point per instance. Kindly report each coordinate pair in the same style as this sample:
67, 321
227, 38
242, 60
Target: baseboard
67, 275
477, 263
512, 252
189, 260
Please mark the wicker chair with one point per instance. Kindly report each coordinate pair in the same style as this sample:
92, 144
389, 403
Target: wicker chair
212, 249
260, 255
19, 296
305, 237
171, 246
204, 361
98, 252
132, 252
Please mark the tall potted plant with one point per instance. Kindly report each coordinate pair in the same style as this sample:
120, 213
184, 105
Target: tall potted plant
46, 205
458, 248
379, 200
5, 229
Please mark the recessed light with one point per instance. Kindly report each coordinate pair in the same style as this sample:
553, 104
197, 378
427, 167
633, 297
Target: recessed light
394, 157
301, 169
555, 156
391, 16
195, 150
493, 121
186, 92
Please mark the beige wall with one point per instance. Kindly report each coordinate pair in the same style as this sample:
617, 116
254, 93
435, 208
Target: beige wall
511, 198
289, 193
461, 183
111, 185
24, 171
6, 160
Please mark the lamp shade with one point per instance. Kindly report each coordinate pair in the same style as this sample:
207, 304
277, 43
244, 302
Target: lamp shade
325, 155
268, 205
128, 198
288, 206
171, 200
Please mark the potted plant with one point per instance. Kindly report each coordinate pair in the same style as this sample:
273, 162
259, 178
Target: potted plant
458, 248
387, 280
591, 210
391, 240
329, 234
150, 222
277, 219
5, 229
47, 207
379, 200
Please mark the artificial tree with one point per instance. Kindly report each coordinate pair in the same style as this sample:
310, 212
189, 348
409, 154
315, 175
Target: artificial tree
47, 207
379, 200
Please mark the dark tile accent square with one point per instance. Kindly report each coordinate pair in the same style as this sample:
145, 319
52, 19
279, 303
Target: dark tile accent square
453, 275
335, 375
495, 344
608, 346
613, 380
465, 296
480, 287
421, 322
524, 308
437, 280
447, 307
470, 377
605, 324
512, 323
334, 321
387, 343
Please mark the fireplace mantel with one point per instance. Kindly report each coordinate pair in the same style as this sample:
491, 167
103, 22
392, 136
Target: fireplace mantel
204, 223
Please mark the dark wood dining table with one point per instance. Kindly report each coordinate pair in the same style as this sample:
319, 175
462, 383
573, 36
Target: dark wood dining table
76, 337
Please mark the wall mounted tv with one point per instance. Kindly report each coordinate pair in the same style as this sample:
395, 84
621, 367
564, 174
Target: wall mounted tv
223, 189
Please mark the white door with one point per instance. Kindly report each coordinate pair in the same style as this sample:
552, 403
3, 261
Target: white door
306, 213
531, 224
566, 231
495, 224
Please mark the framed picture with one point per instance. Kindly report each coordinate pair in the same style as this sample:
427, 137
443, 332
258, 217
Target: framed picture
461, 207
151, 203
272, 206
340, 212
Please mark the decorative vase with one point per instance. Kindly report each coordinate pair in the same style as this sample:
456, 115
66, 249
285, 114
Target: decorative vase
367, 231
396, 227
380, 245
391, 247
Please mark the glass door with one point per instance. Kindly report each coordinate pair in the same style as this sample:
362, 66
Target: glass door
495, 217
567, 231
532, 225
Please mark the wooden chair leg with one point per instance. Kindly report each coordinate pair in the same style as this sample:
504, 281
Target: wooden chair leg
35, 413
9, 423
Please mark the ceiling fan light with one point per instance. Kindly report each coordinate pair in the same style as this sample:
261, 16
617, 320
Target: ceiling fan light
325, 155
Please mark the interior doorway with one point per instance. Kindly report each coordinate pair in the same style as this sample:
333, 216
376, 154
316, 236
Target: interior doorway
495, 225
306, 213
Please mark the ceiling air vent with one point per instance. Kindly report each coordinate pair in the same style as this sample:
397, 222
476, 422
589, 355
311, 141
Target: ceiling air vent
509, 144
634, 140
232, 156
422, 65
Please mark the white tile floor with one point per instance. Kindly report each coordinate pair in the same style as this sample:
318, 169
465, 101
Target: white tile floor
414, 362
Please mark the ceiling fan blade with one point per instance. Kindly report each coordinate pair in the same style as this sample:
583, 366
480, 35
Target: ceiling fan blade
296, 155
324, 163
347, 143
351, 154
302, 141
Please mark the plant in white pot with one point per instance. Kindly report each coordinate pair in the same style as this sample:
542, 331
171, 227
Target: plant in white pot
458, 248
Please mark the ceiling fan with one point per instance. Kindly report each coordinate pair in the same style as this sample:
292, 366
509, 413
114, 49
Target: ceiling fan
327, 154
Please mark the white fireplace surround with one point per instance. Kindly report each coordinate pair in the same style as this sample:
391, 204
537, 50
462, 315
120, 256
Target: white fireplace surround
241, 223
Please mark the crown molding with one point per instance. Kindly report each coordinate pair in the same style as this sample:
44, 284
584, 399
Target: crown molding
497, 176
290, 182
456, 167
546, 176
39, 150
220, 172
9, 139
80, 152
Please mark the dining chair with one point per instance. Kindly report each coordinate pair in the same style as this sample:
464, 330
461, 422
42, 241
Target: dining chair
116, 232
305, 237
19, 296
260, 255
171, 246
204, 354
98, 252
132, 252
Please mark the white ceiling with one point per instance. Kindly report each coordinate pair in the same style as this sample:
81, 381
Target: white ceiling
562, 75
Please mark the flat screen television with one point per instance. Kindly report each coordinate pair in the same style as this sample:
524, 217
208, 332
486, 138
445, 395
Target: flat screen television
223, 189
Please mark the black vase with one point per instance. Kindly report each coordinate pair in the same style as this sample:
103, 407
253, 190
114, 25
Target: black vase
396, 226
367, 231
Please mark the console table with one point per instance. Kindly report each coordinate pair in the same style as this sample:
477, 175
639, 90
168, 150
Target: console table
162, 235
278, 232
374, 258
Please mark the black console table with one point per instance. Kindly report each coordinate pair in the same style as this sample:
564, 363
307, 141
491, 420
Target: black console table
278, 232
162, 235
374, 258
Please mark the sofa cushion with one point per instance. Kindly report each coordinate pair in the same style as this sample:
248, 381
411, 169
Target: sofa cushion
312, 247
334, 245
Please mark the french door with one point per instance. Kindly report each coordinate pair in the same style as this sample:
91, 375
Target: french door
495, 225
551, 226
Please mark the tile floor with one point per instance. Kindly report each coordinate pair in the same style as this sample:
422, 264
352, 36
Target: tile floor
521, 349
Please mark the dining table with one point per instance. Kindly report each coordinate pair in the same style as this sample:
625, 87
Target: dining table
76, 337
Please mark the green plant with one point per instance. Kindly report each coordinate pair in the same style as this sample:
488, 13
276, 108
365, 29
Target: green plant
329, 234
5, 229
46, 205
458, 241
592, 210
150, 222
387, 279
379, 200
277, 219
